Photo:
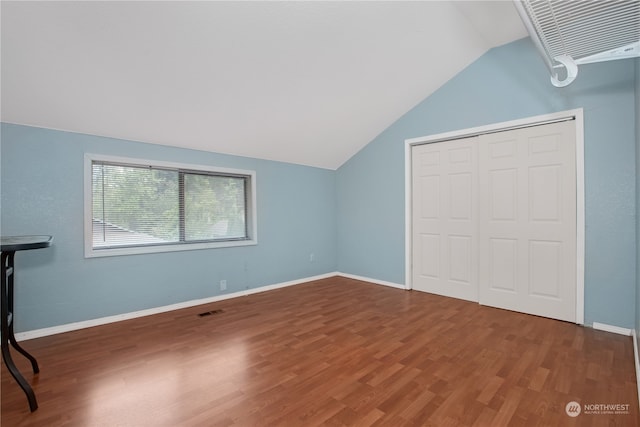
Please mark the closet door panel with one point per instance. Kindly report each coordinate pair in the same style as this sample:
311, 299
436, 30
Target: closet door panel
445, 235
527, 220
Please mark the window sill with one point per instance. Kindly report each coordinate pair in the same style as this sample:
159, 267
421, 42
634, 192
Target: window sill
97, 253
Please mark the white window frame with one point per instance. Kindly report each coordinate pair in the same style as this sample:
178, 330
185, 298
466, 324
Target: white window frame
90, 252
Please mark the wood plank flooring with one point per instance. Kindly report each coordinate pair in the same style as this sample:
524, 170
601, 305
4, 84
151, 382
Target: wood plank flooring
335, 352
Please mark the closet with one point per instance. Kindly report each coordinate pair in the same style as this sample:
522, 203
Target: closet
494, 219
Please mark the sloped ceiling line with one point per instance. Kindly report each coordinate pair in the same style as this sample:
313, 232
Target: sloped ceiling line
301, 82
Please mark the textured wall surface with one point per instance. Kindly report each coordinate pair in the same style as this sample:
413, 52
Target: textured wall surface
352, 219
507, 83
637, 120
42, 193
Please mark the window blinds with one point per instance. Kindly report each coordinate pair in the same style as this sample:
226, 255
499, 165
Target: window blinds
135, 205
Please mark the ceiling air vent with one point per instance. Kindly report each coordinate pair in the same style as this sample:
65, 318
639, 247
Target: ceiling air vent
570, 33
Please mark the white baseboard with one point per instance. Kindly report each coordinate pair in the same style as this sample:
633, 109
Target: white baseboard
370, 280
637, 358
627, 332
37, 333
613, 329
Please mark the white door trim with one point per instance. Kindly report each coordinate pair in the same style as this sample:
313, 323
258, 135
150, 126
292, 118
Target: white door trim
578, 116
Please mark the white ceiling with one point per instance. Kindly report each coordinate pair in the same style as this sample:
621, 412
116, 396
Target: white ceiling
301, 82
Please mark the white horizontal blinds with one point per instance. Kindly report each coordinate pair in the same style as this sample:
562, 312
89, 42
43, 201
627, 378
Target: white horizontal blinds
214, 207
136, 205
584, 28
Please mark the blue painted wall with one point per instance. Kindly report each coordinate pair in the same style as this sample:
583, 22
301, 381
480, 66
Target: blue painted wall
351, 219
507, 83
42, 193
637, 120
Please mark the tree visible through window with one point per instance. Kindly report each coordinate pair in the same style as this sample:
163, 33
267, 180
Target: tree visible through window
214, 207
135, 205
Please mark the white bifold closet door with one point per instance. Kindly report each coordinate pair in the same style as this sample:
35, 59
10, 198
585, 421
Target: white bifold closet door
528, 220
494, 219
445, 220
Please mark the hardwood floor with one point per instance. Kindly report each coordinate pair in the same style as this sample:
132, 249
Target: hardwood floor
332, 352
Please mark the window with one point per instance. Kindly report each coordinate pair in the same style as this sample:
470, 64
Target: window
133, 206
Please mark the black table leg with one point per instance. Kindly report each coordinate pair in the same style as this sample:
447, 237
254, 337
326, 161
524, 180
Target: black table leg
6, 273
6, 356
12, 337
14, 344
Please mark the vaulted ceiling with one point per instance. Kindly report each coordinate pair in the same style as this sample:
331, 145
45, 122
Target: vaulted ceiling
301, 82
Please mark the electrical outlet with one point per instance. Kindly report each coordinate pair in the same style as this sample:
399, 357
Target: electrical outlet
312, 257
223, 285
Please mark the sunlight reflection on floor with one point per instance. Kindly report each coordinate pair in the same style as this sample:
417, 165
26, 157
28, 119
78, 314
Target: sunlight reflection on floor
154, 387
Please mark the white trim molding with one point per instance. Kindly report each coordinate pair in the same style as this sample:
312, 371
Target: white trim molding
68, 327
37, 333
578, 116
251, 208
374, 281
613, 329
627, 332
637, 360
